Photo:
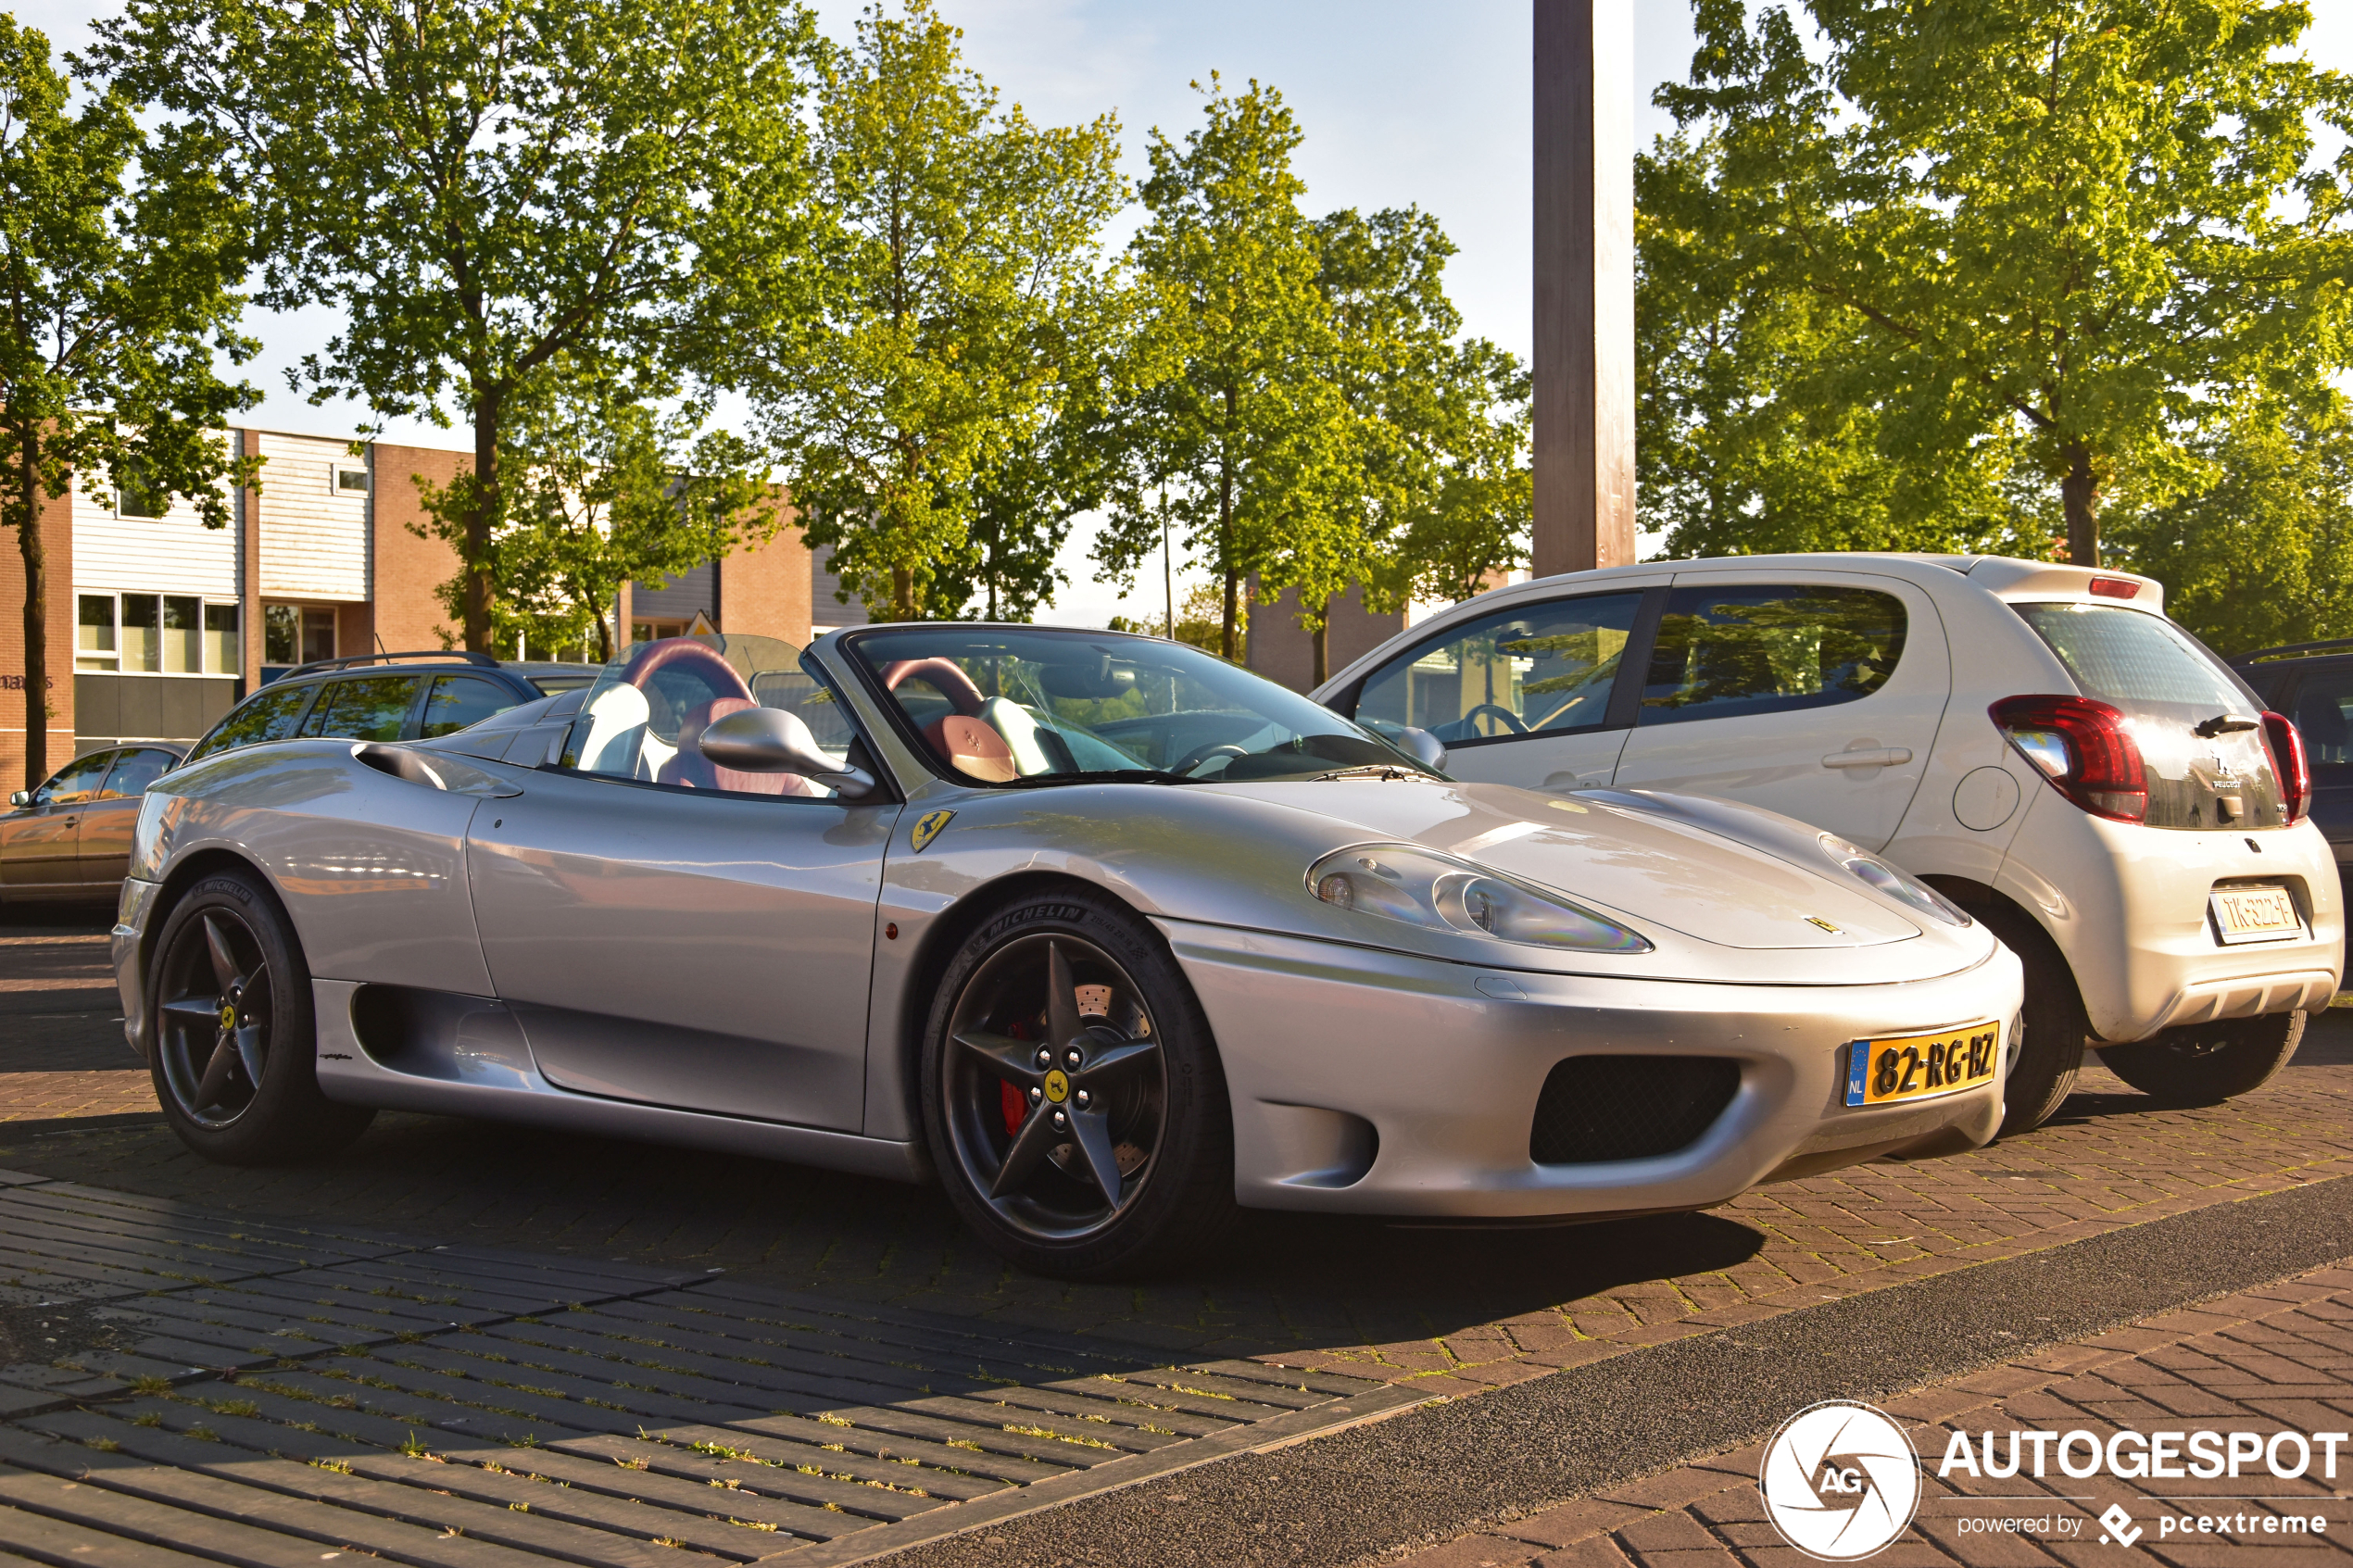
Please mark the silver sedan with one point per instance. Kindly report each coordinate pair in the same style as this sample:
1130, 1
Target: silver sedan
1109, 935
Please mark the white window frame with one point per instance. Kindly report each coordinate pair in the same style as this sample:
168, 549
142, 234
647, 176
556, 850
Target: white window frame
205, 605
335, 486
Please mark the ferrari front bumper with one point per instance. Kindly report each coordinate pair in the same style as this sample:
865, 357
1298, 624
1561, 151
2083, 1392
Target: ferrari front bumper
1371, 1082
131, 912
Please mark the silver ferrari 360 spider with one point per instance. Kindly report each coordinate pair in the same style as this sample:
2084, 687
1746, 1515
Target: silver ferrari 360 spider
1112, 935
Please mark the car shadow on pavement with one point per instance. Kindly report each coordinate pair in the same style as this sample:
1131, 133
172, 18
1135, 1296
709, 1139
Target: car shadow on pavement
1278, 1283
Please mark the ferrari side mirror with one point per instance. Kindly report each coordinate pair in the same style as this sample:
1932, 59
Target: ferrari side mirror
769, 740
22, 797
1423, 748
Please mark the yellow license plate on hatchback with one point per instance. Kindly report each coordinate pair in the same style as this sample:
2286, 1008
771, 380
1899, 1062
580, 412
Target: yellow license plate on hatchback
1914, 1067
2253, 914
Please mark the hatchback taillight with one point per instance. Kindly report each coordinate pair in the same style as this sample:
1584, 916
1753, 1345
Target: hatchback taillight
2295, 769
2084, 748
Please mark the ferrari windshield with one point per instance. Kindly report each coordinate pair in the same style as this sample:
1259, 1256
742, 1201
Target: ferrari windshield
1024, 705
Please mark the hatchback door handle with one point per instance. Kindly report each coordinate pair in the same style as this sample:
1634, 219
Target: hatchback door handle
1876, 757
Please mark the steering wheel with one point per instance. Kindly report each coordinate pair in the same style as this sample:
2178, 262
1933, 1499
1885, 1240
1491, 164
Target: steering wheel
1511, 720
1202, 754
946, 676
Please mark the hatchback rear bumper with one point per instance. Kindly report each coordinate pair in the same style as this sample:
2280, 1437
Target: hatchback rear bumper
2127, 905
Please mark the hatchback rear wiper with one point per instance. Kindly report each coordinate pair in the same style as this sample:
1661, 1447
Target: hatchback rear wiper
2225, 724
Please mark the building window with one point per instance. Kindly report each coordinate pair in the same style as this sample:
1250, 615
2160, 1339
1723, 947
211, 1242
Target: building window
350, 479
655, 631
94, 641
225, 649
142, 632
156, 634
134, 499
183, 635
296, 633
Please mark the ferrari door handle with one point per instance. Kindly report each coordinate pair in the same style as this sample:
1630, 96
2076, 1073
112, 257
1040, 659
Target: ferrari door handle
1874, 756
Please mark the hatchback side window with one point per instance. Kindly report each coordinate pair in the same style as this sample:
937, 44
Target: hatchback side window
372, 707
1723, 652
460, 700
2323, 716
76, 782
267, 715
135, 771
1546, 667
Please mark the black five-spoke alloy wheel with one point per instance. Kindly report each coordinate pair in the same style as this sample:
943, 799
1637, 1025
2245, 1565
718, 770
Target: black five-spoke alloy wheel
215, 1019
232, 1029
1072, 1095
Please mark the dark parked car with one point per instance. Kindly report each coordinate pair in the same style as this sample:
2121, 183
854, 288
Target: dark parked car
70, 839
2312, 684
388, 696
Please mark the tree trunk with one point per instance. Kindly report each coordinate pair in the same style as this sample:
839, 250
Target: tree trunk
902, 594
1226, 641
2078, 491
36, 612
1322, 640
482, 509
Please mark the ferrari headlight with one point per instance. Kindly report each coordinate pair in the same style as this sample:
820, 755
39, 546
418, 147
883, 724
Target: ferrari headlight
1898, 884
1438, 892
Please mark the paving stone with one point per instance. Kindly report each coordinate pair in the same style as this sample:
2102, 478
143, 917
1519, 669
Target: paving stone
1706, 1512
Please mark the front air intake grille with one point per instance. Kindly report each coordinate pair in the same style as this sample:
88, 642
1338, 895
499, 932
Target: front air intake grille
1601, 1108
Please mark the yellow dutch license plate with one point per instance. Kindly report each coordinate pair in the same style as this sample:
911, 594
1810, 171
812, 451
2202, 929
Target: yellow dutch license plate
1922, 1066
2253, 914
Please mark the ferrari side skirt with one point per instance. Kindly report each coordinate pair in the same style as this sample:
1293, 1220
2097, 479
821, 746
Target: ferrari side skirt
347, 1072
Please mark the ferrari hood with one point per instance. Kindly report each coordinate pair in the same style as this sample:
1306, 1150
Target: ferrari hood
1645, 866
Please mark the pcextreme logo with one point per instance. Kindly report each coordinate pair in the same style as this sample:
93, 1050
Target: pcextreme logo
1840, 1481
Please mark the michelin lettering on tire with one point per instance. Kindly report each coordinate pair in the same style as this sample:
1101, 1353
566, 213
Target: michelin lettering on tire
1840, 1481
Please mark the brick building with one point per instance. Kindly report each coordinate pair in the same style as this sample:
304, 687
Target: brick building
156, 624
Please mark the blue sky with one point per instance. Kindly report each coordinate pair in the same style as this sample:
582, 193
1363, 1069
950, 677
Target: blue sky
1401, 102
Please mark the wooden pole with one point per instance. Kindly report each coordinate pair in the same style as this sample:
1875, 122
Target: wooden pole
1584, 358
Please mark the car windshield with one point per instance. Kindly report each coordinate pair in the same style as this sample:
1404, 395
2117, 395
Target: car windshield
1033, 705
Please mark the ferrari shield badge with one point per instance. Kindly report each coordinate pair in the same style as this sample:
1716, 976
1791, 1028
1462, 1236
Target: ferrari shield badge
927, 828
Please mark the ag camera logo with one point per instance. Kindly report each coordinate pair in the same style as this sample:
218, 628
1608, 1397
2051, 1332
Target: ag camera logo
1840, 1481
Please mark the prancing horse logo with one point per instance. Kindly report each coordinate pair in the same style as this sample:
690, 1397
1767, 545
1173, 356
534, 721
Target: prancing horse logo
927, 828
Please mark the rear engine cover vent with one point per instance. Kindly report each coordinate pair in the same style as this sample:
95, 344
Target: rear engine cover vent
1601, 1108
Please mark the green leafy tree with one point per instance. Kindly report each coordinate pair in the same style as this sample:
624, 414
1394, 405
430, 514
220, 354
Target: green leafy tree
2048, 237
1201, 620
1749, 434
116, 298
1432, 494
1234, 413
1438, 496
1467, 524
482, 185
2262, 553
605, 487
966, 272
1030, 481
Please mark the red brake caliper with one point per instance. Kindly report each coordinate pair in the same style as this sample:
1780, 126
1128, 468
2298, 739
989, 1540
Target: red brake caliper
1015, 1108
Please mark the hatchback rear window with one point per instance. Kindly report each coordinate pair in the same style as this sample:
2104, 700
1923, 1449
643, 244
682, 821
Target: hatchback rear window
2141, 662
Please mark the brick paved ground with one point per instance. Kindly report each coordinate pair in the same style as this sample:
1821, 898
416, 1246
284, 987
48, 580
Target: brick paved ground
61, 1049
2270, 1360
1454, 1311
